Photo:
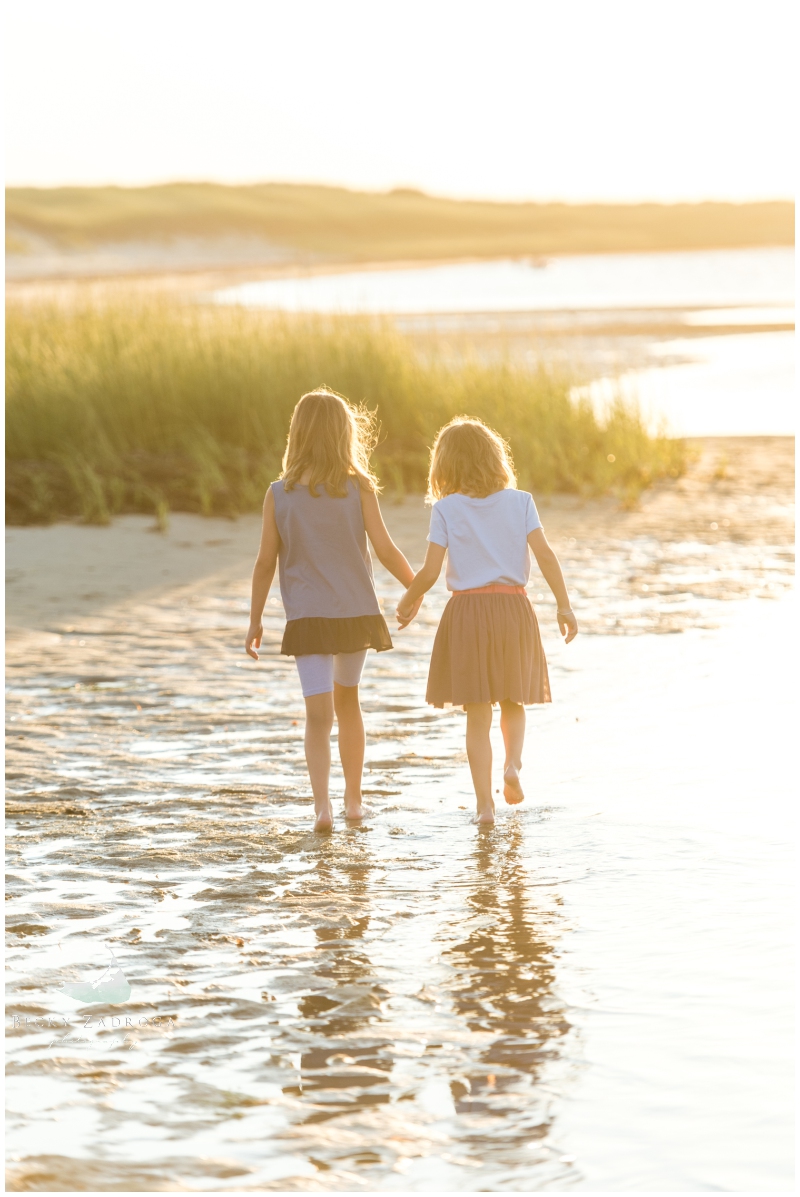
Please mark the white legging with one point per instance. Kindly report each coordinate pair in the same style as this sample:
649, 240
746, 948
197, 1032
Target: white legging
318, 671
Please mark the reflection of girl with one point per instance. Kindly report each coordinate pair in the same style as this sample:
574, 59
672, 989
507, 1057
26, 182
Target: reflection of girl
487, 648
319, 537
515, 1006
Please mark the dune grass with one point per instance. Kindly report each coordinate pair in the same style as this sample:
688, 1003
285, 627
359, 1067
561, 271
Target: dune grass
402, 224
152, 406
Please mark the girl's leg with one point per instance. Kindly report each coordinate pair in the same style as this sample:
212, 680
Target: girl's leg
319, 722
347, 669
316, 678
351, 746
512, 725
479, 753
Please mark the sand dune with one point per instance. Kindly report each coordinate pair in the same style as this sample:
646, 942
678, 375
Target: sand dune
79, 231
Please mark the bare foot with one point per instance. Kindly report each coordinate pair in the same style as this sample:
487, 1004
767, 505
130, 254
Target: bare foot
512, 790
485, 818
353, 811
324, 821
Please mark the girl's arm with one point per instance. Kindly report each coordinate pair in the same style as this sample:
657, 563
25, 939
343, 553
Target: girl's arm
263, 573
432, 567
386, 550
551, 570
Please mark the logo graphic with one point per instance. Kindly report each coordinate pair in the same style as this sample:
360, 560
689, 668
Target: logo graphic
112, 988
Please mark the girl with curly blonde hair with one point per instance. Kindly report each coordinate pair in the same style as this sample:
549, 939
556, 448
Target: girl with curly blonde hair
488, 648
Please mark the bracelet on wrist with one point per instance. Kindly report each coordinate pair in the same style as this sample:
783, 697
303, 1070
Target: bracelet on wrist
568, 611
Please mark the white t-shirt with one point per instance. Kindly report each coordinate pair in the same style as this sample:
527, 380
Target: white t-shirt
486, 539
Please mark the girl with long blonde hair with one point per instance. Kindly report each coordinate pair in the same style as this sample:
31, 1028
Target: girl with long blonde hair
487, 648
316, 521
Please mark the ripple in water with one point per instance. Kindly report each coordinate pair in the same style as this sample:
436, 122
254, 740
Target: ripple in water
408, 1005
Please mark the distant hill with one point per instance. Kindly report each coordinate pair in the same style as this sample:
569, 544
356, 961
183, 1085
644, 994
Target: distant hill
299, 221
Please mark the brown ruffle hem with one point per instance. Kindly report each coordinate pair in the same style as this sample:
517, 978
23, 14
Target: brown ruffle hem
303, 637
488, 649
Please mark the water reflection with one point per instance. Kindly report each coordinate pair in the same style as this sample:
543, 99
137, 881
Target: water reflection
341, 1065
503, 985
383, 1009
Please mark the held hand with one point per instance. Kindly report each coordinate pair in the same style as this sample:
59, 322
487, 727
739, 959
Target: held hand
254, 634
407, 611
567, 625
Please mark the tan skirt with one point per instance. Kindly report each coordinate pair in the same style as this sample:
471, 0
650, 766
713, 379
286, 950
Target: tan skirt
487, 649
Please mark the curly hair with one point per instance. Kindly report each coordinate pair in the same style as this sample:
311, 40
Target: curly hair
469, 458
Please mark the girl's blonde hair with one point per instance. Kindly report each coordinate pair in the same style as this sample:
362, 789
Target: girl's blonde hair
333, 440
469, 458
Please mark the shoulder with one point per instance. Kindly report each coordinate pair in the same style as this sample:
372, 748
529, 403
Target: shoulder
276, 495
273, 507
528, 509
443, 509
518, 500
438, 533
526, 499
358, 490
365, 495
368, 502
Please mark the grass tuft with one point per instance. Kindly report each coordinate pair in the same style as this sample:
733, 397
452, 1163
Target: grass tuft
152, 406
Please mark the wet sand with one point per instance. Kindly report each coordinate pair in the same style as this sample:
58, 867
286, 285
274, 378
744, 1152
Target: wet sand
734, 505
594, 995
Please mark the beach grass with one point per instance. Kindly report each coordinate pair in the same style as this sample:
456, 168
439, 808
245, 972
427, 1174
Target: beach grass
153, 405
312, 221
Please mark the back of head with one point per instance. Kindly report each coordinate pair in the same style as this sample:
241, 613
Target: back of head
331, 441
469, 458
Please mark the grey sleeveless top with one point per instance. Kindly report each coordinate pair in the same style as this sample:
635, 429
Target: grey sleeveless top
324, 562
325, 573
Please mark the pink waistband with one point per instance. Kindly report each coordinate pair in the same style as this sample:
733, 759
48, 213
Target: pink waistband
495, 588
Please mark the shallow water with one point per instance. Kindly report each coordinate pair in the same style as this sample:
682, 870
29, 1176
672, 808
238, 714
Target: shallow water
739, 385
722, 385
696, 279
593, 995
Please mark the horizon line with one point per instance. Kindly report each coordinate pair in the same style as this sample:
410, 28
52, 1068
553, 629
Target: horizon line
399, 189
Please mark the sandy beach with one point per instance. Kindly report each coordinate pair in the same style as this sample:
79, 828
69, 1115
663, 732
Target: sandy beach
737, 493
592, 252
595, 996
209, 987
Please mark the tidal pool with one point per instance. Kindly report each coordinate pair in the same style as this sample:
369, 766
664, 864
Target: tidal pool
594, 995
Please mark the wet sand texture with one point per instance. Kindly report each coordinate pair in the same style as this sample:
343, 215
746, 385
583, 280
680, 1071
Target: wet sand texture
595, 995
738, 492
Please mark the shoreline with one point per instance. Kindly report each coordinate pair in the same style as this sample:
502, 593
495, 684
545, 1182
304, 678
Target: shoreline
207, 225
205, 275
549, 324
736, 491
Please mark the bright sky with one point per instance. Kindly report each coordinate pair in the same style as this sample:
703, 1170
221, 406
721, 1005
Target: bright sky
521, 99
